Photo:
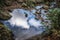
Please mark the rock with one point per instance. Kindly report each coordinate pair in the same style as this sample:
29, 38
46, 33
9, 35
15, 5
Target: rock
5, 34
24, 5
46, 7
8, 3
4, 15
20, 0
39, 0
37, 37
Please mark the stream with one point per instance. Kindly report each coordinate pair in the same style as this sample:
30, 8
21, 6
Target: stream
23, 26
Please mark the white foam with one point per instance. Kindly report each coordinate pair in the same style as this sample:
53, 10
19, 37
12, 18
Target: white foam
18, 18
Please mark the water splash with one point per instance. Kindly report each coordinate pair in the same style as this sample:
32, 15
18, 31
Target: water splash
18, 18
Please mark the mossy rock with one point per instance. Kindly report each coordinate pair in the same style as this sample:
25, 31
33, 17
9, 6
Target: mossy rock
5, 34
4, 15
54, 32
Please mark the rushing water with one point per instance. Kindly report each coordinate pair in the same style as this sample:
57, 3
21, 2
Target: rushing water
24, 27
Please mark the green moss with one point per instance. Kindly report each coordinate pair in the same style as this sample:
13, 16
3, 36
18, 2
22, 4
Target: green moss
54, 17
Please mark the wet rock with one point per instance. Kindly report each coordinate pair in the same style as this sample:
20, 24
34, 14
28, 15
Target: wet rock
5, 34
46, 7
20, 0
4, 15
9, 2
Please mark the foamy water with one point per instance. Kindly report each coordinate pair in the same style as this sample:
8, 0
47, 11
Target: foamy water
20, 20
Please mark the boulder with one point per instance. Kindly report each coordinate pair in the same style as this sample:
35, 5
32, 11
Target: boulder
4, 15
5, 34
